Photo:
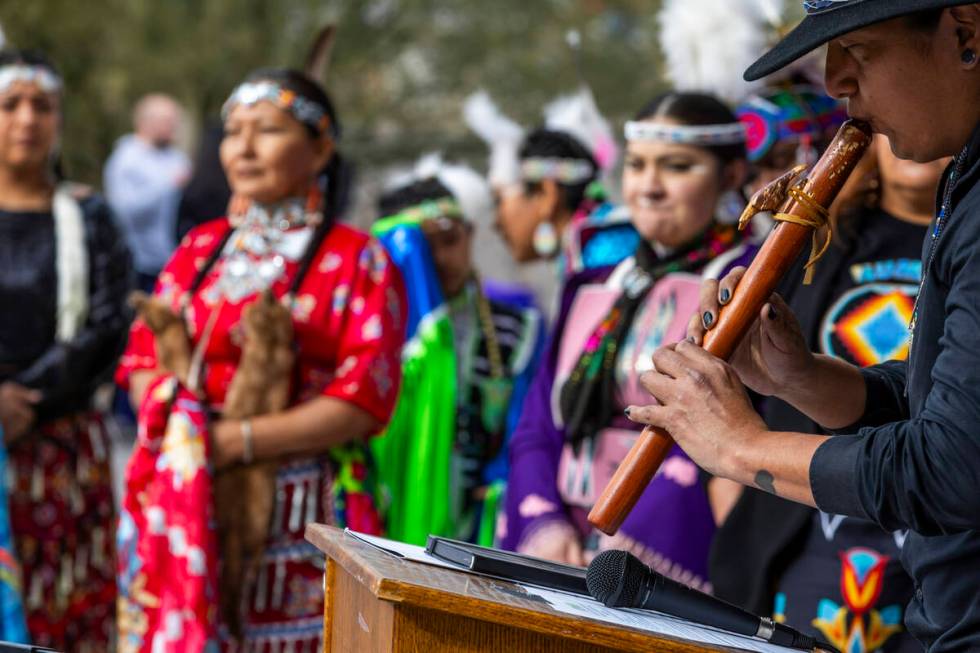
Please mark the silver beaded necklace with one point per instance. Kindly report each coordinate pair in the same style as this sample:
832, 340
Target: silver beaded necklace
256, 254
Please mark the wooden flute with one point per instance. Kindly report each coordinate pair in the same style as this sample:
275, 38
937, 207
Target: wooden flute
801, 204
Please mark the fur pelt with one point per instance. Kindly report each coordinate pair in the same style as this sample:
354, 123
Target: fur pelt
173, 347
245, 495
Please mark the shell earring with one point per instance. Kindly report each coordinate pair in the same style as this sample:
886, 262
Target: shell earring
545, 240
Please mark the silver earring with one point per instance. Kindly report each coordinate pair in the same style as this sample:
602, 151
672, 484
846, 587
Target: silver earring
545, 240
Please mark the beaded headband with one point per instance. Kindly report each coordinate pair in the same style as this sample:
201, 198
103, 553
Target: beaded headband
303, 109
46, 80
444, 207
727, 134
565, 171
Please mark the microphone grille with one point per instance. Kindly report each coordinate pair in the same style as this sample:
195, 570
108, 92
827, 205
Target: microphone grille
614, 578
634, 572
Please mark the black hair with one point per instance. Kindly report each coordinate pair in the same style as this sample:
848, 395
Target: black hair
337, 174
12, 56
548, 143
398, 199
695, 109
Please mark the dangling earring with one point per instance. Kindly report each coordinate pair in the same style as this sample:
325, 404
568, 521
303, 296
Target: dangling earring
238, 206
314, 204
545, 241
968, 57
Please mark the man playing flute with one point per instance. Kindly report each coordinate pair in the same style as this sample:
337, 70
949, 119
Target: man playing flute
907, 453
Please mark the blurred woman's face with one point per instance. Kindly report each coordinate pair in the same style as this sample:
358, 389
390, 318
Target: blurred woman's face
451, 243
671, 190
29, 122
268, 155
518, 215
905, 176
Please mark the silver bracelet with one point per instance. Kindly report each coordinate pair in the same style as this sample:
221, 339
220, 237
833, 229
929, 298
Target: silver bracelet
248, 452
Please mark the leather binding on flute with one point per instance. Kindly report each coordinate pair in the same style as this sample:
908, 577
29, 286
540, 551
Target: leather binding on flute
800, 202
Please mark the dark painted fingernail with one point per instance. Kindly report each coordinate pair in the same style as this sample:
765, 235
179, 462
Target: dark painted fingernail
691, 340
773, 313
708, 318
626, 412
725, 295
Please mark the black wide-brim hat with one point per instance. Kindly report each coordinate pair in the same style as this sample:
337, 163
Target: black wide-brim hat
828, 19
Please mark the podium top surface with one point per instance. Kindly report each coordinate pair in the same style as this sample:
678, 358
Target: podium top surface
392, 579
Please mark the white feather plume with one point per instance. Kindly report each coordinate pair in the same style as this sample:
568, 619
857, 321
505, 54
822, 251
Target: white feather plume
708, 44
500, 133
467, 186
578, 115
471, 190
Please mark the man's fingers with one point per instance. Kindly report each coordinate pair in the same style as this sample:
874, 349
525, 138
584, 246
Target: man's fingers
652, 415
667, 361
778, 323
657, 384
696, 358
726, 287
695, 330
708, 303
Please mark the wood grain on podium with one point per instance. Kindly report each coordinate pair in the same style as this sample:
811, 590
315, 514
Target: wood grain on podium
376, 602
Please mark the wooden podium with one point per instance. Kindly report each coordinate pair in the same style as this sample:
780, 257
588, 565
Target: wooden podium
378, 603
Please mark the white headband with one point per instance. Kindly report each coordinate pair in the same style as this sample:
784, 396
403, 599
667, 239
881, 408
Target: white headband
46, 80
566, 171
726, 134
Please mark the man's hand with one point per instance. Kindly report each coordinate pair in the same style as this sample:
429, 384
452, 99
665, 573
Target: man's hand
773, 355
703, 405
17, 412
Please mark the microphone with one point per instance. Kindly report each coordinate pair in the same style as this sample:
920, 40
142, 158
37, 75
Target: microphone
618, 579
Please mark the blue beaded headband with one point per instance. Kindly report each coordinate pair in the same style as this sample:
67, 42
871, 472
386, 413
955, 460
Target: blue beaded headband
303, 109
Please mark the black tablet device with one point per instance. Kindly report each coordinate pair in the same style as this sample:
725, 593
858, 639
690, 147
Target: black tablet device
509, 566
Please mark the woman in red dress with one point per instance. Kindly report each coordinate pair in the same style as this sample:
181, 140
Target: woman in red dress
348, 315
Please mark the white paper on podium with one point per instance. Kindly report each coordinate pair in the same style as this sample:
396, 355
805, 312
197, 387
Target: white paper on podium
581, 606
402, 550
653, 622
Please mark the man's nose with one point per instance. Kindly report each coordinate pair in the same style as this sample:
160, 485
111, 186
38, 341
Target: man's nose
839, 75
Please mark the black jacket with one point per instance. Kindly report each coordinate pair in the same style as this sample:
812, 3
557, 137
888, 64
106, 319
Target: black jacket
913, 461
66, 373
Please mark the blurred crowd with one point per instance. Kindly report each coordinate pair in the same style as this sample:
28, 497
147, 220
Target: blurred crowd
279, 366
